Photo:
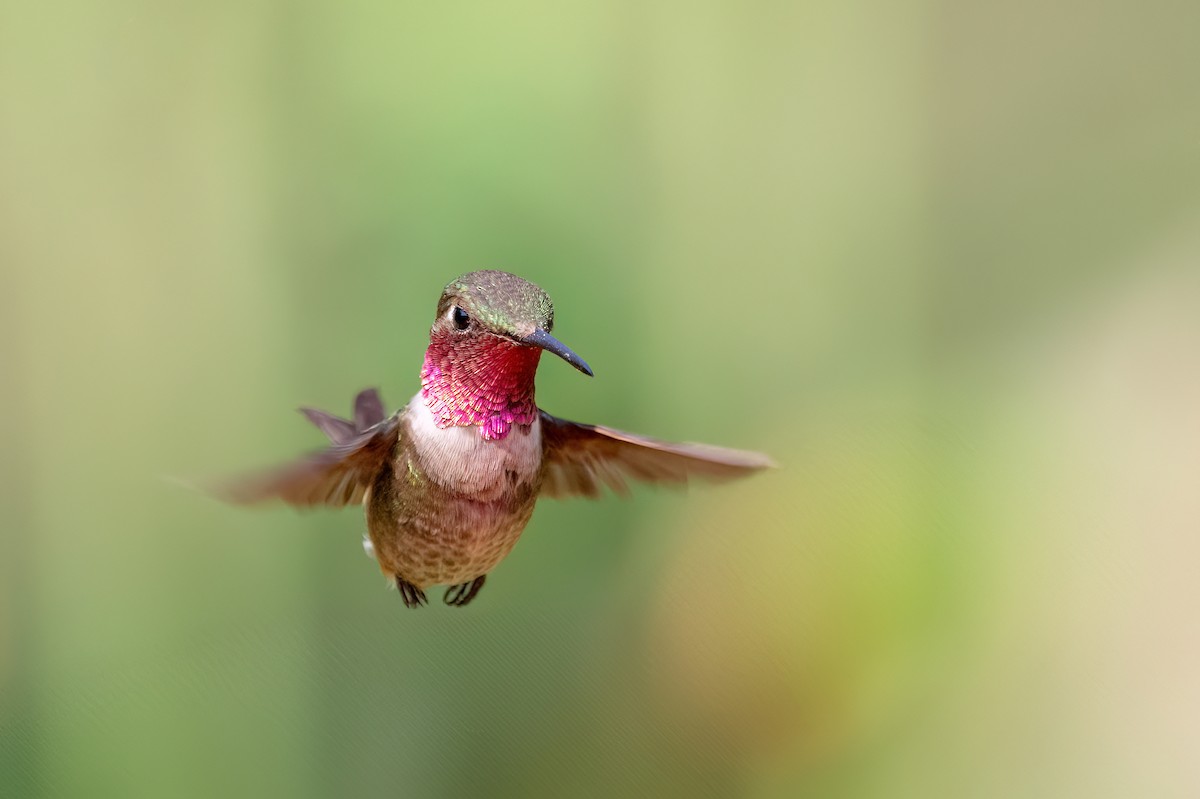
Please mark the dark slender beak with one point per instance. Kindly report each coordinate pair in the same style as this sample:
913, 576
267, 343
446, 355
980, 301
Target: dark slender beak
540, 338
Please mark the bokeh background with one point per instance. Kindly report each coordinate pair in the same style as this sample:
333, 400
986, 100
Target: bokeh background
940, 260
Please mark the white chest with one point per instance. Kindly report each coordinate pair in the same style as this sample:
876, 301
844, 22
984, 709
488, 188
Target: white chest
460, 458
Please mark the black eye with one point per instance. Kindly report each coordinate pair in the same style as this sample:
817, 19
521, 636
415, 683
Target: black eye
460, 318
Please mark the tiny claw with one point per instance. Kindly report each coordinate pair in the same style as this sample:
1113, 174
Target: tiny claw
459, 595
413, 597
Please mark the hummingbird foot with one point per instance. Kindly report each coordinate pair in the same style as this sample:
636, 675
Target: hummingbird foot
459, 595
413, 597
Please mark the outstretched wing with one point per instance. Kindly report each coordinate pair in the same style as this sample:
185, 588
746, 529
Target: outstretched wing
337, 476
582, 458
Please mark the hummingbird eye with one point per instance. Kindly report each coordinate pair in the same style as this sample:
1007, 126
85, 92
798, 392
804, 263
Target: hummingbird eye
460, 318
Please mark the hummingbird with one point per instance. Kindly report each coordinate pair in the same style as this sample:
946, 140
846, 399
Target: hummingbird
449, 481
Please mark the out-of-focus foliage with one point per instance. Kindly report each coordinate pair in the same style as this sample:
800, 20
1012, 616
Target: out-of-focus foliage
939, 260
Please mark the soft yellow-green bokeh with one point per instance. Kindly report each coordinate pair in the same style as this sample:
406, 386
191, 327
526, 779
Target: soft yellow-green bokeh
941, 261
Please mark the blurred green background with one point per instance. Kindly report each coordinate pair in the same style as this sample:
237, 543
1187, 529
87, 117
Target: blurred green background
940, 260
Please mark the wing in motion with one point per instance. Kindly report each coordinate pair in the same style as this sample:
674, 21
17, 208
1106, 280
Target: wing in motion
581, 458
337, 476
368, 412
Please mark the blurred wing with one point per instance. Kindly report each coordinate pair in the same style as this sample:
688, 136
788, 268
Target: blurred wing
337, 476
368, 412
335, 428
581, 458
368, 409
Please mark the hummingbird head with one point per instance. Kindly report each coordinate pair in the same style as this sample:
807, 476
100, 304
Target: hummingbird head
484, 346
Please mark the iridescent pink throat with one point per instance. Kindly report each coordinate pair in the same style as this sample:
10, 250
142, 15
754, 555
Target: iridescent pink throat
485, 380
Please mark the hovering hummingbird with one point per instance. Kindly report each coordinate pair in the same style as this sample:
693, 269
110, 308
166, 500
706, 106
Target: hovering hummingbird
449, 481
